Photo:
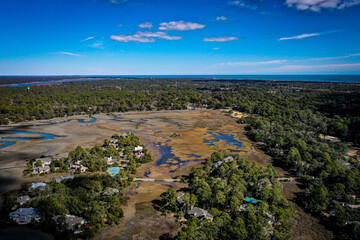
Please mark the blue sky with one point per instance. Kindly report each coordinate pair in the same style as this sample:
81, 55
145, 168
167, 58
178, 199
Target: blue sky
140, 37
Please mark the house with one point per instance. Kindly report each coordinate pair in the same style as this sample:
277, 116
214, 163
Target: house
38, 170
36, 185
109, 160
59, 156
180, 198
59, 180
139, 155
25, 215
138, 149
225, 160
114, 142
110, 191
45, 161
77, 166
243, 207
70, 221
124, 135
22, 200
199, 213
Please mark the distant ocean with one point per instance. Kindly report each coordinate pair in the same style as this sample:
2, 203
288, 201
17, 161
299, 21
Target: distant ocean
307, 78
293, 78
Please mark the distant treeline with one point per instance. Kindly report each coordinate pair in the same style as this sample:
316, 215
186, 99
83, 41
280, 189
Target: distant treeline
337, 103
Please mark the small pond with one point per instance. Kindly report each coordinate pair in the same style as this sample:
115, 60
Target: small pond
228, 139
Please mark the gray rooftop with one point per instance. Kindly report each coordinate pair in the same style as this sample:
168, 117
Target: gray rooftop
25, 215
70, 220
23, 199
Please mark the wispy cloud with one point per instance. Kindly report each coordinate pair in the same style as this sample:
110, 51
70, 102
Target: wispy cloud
234, 64
307, 35
87, 39
180, 26
222, 18
318, 5
301, 36
144, 37
333, 58
317, 68
216, 48
68, 54
243, 4
98, 45
146, 25
117, 1
220, 39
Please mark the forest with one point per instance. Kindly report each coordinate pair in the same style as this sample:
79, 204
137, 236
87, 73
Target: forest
223, 190
293, 120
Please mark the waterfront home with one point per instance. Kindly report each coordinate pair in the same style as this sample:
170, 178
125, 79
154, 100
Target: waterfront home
180, 198
123, 135
44, 161
225, 160
69, 221
139, 155
41, 169
22, 200
114, 142
199, 213
25, 215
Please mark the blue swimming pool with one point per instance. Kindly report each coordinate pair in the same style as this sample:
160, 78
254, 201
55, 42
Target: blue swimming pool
113, 171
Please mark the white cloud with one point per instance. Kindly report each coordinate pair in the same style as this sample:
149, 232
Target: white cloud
301, 36
222, 18
69, 54
317, 5
146, 25
180, 26
220, 39
144, 37
124, 38
243, 4
216, 48
87, 39
234, 64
